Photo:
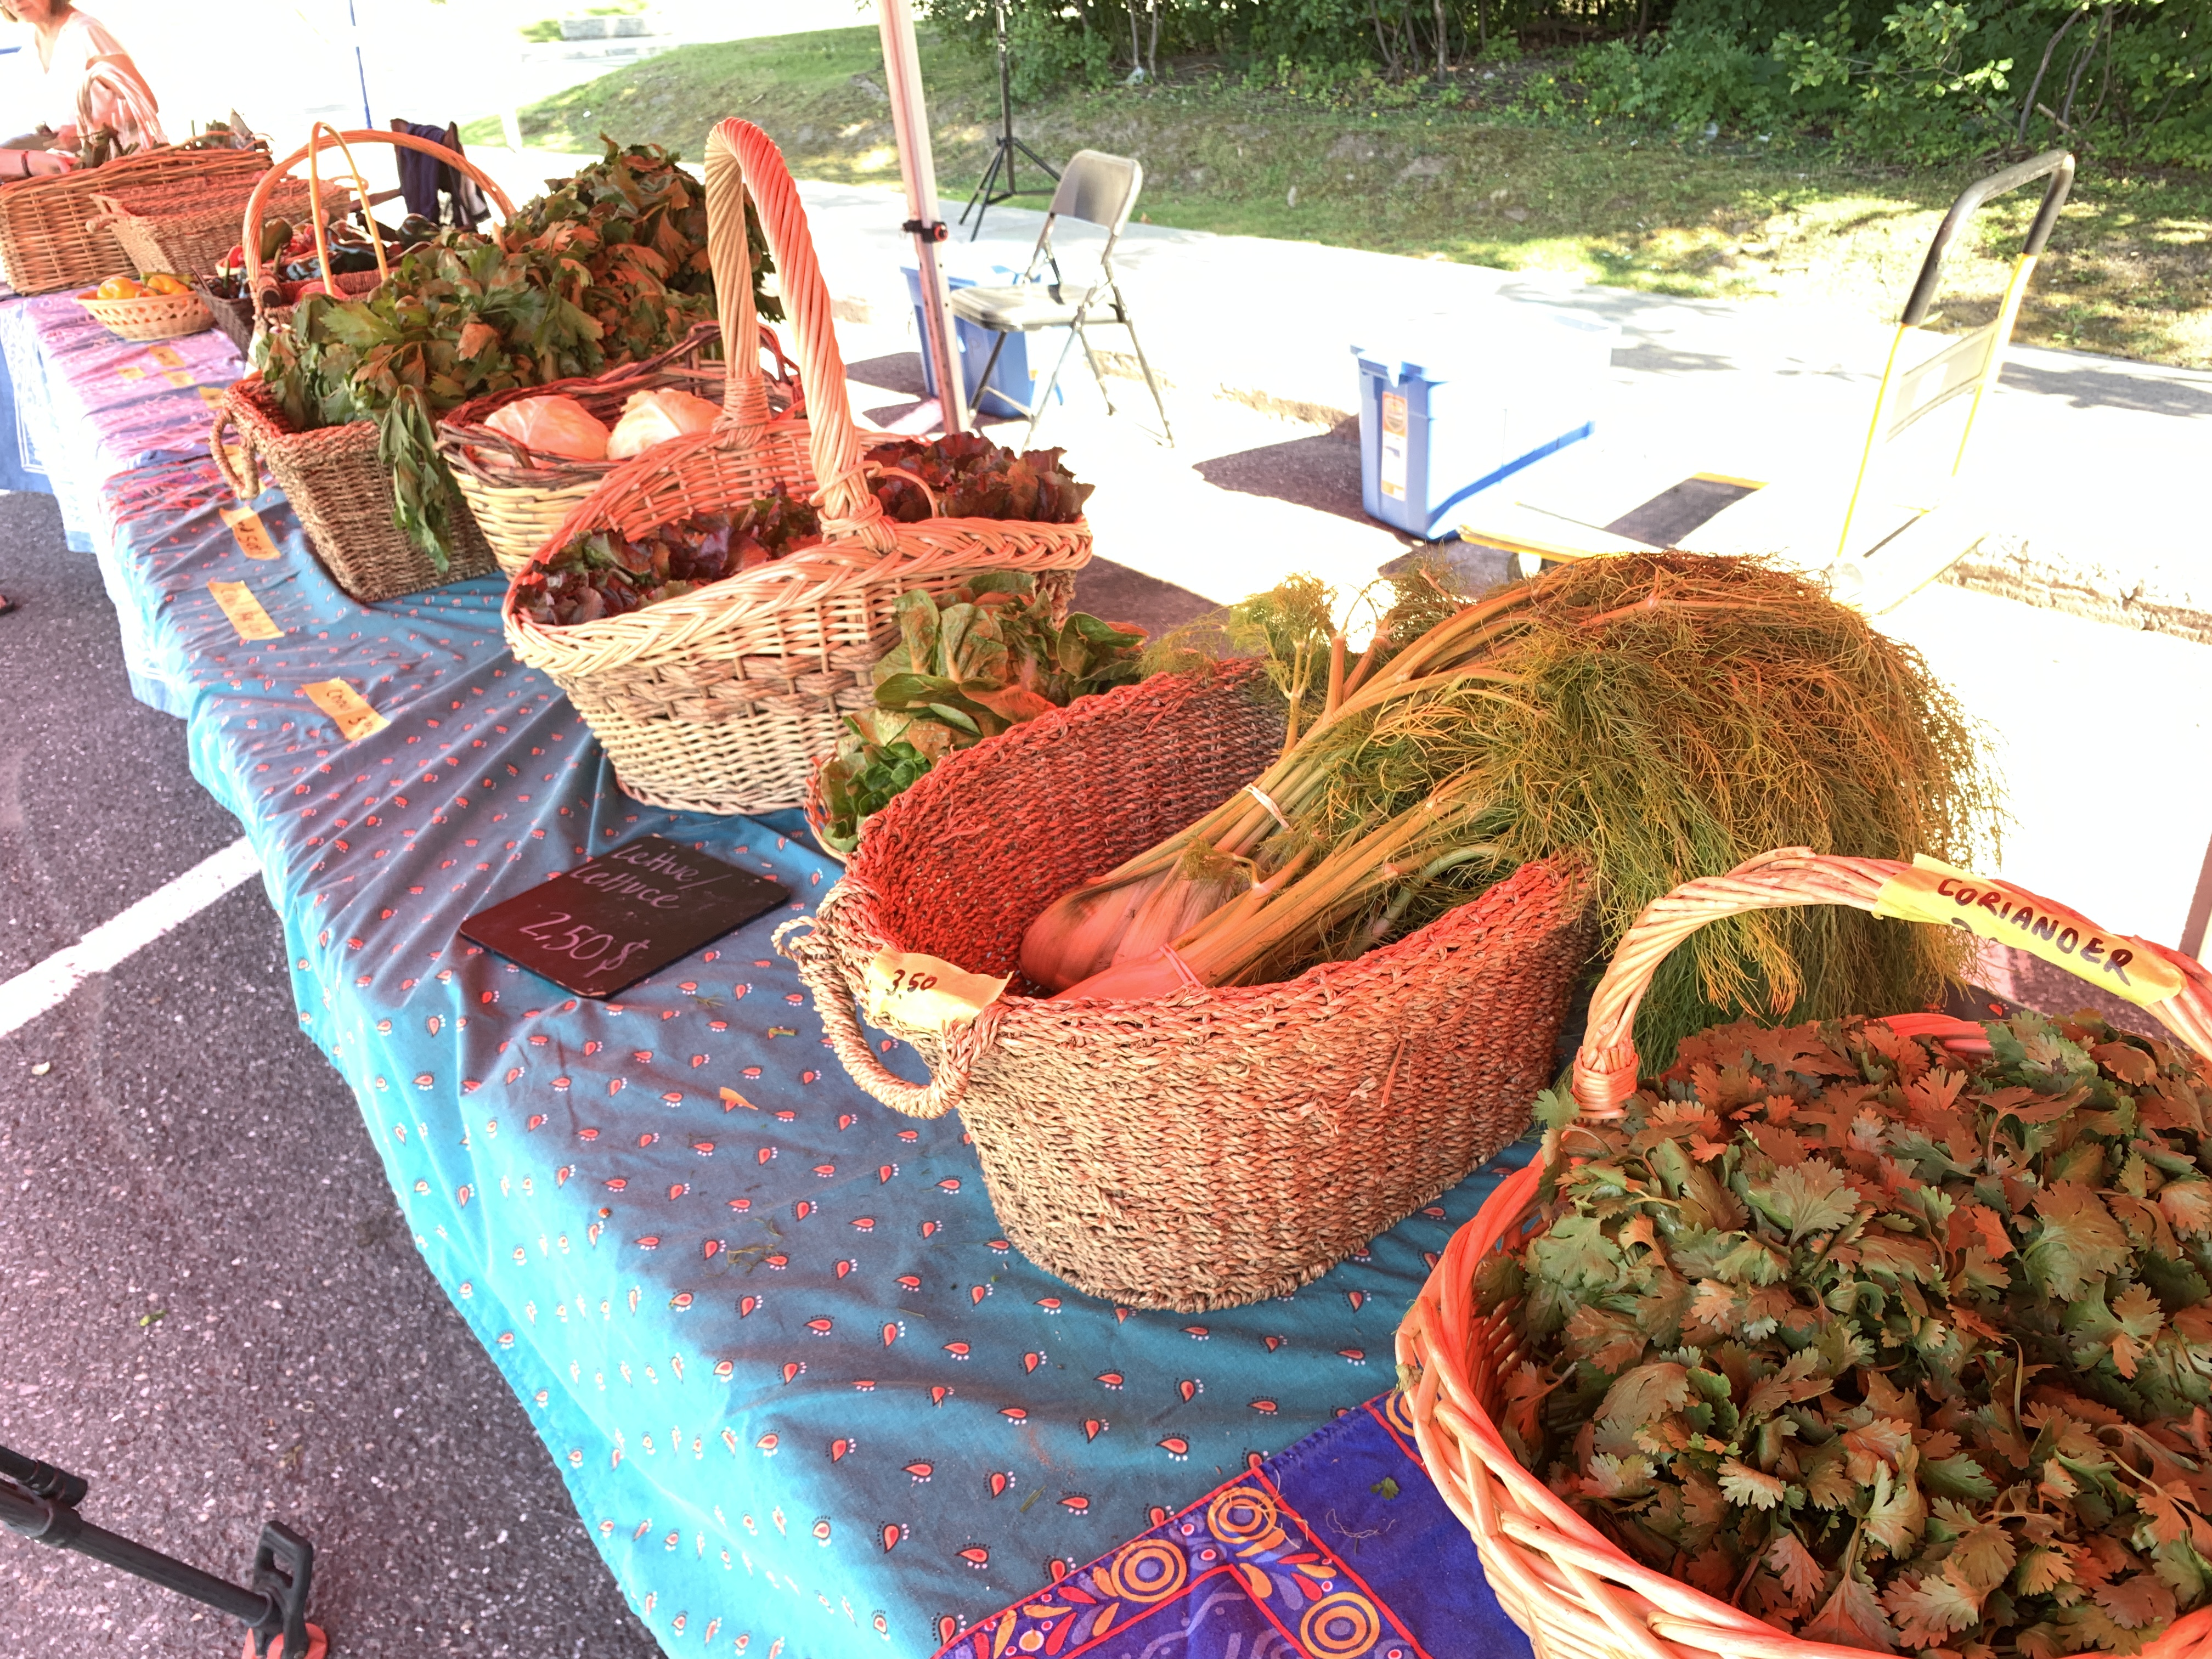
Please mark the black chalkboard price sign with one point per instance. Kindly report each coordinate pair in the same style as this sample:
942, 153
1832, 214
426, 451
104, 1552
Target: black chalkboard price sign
619, 916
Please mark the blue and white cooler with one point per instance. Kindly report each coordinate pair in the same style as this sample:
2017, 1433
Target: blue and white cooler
1495, 391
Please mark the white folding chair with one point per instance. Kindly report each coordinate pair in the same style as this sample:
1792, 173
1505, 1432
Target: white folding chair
1099, 190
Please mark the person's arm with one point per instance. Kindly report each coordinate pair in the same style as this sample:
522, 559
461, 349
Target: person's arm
17, 165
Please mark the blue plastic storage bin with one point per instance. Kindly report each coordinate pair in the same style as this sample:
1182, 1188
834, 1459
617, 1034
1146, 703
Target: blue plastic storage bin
1010, 377
1511, 387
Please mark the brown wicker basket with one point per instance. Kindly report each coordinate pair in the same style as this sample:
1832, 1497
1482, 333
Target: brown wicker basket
151, 316
1227, 1144
187, 228
48, 237
342, 495
519, 498
331, 474
233, 317
1561, 1581
719, 701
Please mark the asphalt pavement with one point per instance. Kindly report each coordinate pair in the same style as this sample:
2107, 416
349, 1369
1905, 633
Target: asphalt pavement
205, 1266
205, 1269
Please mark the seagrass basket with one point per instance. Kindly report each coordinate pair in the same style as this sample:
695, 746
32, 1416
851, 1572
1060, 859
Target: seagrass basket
519, 498
331, 474
1575, 1592
49, 238
151, 316
186, 228
1226, 1144
719, 701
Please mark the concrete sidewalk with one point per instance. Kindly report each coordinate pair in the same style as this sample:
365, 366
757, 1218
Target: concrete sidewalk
2093, 465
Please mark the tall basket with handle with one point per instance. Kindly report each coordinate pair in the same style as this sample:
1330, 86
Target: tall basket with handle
720, 700
331, 474
1576, 1593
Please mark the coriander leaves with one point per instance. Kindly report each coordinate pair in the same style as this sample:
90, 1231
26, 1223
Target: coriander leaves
1890, 1350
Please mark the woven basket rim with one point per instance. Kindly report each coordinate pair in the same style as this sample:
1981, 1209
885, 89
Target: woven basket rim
793, 582
142, 304
856, 916
257, 402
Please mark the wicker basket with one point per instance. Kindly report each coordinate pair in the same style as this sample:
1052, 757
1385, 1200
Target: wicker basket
342, 495
233, 317
152, 316
49, 238
1574, 1592
187, 228
331, 474
519, 498
1222, 1145
719, 701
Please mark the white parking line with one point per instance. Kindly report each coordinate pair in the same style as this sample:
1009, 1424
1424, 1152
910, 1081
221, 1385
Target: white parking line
35, 990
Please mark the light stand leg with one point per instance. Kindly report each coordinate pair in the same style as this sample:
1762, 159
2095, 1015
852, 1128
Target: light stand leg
1005, 147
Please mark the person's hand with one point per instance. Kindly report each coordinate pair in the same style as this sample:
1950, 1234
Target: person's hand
44, 163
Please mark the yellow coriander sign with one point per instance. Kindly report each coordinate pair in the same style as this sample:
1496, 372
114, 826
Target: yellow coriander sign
1934, 892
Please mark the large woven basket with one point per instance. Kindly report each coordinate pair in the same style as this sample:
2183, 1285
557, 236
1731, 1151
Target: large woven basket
51, 236
186, 228
1224, 1144
1576, 1593
720, 701
520, 499
331, 474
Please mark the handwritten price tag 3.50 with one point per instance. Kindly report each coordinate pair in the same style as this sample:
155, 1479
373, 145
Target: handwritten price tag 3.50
925, 992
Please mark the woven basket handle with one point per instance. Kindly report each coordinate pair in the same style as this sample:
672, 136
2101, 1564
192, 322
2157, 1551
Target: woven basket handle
245, 482
1605, 1068
823, 972
739, 156
249, 239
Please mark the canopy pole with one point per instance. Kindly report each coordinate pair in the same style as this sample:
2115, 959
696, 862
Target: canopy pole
918, 168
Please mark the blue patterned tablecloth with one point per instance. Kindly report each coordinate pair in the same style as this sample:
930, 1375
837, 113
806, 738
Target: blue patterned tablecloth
806, 1398
88, 410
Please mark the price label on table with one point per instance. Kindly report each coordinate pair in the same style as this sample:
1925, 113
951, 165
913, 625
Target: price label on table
252, 536
926, 991
167, 355
179, 377
245, 611
130, 372
625, 914
212, 395
356, 717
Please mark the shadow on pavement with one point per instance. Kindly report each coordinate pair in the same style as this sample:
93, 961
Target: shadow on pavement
2145, 390
1114, 593
1320, 472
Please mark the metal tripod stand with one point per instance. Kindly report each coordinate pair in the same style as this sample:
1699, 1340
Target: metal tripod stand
40, 1501
1005, 147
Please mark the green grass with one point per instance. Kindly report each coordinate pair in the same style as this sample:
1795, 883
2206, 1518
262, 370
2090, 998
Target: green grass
1467, 173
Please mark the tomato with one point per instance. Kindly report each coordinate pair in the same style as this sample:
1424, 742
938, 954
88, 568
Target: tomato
167, 281
120, 288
